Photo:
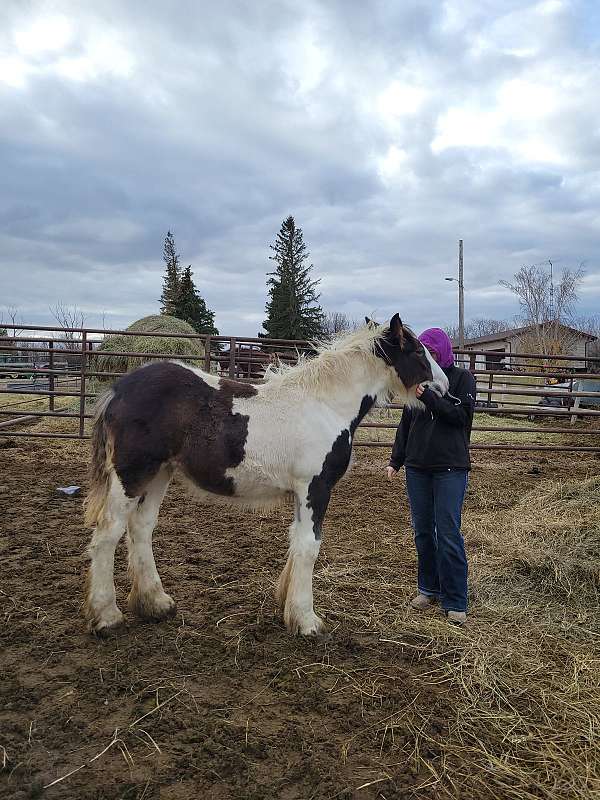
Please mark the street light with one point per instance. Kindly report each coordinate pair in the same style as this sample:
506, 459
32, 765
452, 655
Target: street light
461, 296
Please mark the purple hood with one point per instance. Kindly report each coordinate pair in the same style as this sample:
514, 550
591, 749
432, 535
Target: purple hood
438, 340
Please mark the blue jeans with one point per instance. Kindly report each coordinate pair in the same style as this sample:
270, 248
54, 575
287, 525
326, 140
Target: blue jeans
436, 500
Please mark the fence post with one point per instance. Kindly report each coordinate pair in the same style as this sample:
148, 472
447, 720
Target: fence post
232, 358
207, 354
51, 376
573, 405
82, 383
490, 386
570, 398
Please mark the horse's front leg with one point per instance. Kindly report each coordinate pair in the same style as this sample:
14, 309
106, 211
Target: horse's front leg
294, 591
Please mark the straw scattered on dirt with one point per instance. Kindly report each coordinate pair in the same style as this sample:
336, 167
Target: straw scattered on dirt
221, 702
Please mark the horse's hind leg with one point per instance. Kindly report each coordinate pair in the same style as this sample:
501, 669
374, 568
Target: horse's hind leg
101, 608
147, 598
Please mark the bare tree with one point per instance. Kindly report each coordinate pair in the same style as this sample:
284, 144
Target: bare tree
547, 307
12, 313
4, 337
482, 326
549, 339
541, 300
452, 331
11, 340
485, 326
589, 325
68, 318
338, 322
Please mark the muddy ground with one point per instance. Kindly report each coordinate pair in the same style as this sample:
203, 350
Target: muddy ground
221, 702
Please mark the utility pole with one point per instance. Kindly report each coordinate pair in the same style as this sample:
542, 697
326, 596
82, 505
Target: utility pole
461, 297
551, 291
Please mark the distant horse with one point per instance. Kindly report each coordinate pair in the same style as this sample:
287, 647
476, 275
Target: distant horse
251, 361
238, 444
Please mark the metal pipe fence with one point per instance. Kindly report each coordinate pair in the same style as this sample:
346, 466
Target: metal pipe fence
72, 360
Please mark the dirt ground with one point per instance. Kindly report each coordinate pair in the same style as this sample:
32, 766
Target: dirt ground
221, 702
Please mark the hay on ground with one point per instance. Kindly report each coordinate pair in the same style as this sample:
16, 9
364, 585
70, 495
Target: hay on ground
552, 546
523, 675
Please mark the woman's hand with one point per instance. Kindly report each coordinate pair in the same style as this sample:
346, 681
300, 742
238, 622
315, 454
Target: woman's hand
391, 473
420, 390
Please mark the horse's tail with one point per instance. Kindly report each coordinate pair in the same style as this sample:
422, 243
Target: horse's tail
100, 467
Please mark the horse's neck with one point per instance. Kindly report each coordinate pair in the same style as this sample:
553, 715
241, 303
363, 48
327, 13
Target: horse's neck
348, 393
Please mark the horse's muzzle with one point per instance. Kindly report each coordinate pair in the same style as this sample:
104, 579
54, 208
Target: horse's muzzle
437, 386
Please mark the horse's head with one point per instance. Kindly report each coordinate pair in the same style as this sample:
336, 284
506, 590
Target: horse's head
413, 364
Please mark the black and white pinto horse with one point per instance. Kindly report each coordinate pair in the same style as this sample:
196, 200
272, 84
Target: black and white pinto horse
239, 444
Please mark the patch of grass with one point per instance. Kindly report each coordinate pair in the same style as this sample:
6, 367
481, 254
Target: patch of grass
27, 402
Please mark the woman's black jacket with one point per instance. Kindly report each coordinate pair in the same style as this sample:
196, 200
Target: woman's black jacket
437, 437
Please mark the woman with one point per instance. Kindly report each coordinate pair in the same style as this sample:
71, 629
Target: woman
433, 446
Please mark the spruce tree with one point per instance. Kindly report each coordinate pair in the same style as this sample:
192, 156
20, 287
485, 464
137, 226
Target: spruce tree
192, 308
292, 309
171, 278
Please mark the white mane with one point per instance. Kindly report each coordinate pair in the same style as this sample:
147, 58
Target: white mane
335, 359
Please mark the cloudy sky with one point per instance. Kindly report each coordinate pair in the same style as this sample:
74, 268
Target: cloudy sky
388, 129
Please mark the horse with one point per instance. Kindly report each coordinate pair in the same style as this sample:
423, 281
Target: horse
244, 445
251, 361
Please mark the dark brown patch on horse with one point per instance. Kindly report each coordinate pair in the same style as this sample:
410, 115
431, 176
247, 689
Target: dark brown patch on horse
237, 388
334, 467
319, 490
163, 413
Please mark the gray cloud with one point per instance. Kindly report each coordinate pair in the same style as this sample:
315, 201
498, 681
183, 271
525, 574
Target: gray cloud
389, 130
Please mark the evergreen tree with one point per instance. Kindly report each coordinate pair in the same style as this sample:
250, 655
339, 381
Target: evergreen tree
171, 278
292, 309
180, 297
192, 308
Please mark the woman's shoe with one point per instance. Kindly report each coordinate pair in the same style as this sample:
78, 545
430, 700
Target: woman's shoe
457, 617
422, 601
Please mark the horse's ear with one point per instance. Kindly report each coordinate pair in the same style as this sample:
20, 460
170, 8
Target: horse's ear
370, 322
396, 329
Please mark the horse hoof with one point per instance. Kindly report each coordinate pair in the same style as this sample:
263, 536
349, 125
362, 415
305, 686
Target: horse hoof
153, 609
105, 629
316, 633
168, 613
315, 628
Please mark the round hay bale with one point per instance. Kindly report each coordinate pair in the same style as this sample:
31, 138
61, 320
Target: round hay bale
166, 346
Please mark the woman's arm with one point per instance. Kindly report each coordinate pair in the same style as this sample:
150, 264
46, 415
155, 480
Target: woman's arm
457, 410
399, 448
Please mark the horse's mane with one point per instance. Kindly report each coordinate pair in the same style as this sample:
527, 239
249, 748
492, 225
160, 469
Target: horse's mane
334, 359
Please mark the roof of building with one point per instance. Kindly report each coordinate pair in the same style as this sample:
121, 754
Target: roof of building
510, 333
